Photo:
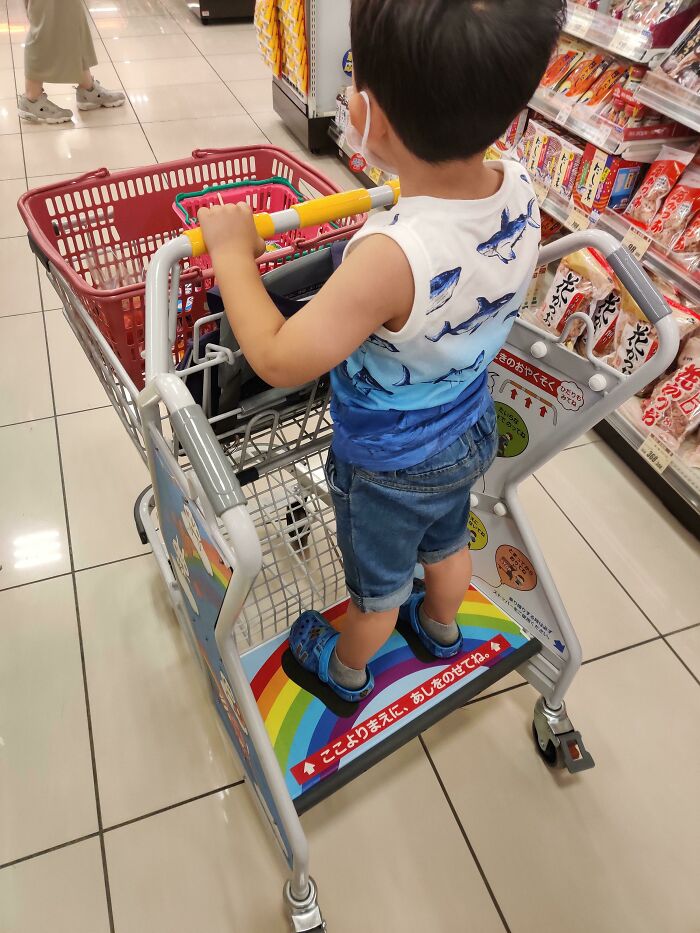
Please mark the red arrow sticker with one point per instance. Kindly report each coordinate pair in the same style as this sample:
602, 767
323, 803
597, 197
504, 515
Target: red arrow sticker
331, 754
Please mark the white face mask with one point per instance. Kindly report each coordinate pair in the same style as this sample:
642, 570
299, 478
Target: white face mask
359, 143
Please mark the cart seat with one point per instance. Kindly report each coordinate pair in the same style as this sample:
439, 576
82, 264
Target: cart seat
322, 742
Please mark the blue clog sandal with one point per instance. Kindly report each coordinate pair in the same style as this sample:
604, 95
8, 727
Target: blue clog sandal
408, 613
312, 640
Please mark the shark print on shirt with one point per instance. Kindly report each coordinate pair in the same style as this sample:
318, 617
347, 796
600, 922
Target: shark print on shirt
384, 344
502, 244
442, 288
475, 366
486, 310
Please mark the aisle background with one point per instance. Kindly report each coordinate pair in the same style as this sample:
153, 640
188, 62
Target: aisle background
122, 807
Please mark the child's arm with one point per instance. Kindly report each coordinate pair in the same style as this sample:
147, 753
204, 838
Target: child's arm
373, 286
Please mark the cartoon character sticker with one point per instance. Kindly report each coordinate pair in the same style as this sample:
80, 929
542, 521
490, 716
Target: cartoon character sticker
182, 572
515, 568
513, 435
477, 533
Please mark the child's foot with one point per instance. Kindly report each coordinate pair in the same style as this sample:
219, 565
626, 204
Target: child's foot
442, 641
312, 641
97, 97
42, 110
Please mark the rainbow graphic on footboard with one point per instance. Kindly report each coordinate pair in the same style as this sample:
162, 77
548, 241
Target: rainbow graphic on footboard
320, 739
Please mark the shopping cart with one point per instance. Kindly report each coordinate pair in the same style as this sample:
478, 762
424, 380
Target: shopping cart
244, 552
95, 236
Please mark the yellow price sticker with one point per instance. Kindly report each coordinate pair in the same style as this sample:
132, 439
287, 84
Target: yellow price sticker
375, 174
578, 220
636, 241
656, 453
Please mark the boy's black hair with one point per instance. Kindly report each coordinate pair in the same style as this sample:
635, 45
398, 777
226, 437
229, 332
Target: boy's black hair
451, 74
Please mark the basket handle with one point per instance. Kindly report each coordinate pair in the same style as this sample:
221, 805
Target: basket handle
313, 213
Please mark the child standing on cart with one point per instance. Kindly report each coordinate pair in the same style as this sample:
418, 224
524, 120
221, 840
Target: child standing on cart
409, 324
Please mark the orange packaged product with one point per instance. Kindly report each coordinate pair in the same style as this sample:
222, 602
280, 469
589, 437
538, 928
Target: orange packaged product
598, 94
566, 56
584, 75
657, 184
680, 207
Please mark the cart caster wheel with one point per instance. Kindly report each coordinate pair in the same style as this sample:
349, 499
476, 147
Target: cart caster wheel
299, 524
549, 754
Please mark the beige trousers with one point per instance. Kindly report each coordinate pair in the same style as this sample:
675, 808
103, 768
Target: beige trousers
59, 46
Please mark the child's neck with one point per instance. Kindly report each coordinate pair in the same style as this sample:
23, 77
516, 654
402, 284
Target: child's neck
466, 179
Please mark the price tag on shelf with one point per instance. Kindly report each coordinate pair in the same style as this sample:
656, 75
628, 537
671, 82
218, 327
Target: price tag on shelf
628, 41
636, 241
564, 114
541, 192
656, 453
578, 220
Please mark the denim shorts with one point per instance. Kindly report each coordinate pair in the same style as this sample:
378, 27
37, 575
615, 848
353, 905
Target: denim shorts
387, 521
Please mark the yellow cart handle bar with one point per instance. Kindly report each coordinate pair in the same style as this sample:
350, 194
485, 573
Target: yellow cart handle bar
313, 213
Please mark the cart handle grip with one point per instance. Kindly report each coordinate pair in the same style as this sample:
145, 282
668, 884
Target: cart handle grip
313, 213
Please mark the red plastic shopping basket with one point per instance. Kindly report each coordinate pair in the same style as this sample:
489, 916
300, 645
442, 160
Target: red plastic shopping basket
99, 231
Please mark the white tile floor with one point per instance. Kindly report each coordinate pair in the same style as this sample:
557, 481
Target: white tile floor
121, 803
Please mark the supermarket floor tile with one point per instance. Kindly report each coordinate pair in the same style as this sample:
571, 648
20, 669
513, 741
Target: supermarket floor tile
255, 95
139, 48
616, 847
47, 734
11, 160
614, 515
33, 536
9, 121
388, 884
176, 139
76, 869
687, 646
164, 72
25, 385
136, 26
75, 385
184, 101
141, 669
82, 150
15, 255
11, 224
103, 475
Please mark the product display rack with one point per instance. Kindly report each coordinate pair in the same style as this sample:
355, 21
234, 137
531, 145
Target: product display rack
212, 11
633, 42
666, 97
308, 111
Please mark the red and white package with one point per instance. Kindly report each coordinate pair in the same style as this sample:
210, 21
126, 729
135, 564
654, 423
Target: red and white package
636, 340
604, 315
673, 411
686, 249
682, 204
657, 184
580, 281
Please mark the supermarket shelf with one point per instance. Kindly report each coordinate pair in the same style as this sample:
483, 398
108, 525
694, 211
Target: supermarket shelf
593, 129
678, 487
654, 259
608, 33
668, 98
344, 154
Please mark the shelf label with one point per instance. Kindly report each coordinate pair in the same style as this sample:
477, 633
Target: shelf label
578, 220
636, 241
628, 42
564, 114
656, 453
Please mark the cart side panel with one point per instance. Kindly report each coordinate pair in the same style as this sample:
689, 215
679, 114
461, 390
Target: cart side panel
203, 576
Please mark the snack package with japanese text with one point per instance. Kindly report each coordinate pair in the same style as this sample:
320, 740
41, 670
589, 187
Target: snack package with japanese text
567, 54
604, 316
565, 168
686, 249
636, 340
679, 208
657, 184
673, 411
599, 93
579, 283
683, 62
584, 75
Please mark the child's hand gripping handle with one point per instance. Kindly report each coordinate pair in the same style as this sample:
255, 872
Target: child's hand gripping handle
313, 213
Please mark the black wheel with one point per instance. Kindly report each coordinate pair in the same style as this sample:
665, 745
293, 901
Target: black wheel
317, 152
298, 523
549, 754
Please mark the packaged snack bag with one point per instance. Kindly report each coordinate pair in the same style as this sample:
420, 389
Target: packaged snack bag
636, 340
513, 134
686, 249
565, 168
678, 210
681, 64
599, 94
673, 411
604, 316
580, 281
584, 75
659, 180
566, 56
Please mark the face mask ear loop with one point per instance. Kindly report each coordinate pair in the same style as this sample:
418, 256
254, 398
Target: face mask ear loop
368, 121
